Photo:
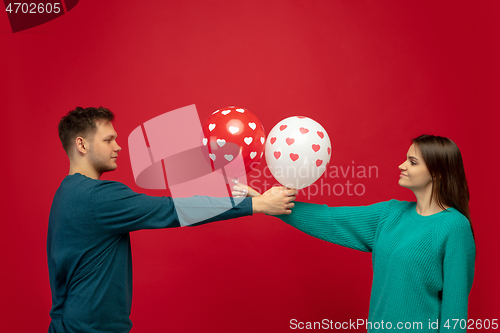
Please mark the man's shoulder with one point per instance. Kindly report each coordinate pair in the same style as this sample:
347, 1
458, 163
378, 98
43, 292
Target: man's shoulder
79, 180
82, 186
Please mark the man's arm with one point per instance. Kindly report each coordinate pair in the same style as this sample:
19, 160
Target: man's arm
202, 209
118, 209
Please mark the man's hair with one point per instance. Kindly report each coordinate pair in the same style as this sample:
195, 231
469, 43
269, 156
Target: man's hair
81, 122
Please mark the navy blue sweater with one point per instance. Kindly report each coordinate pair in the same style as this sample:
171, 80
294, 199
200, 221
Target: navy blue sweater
88, 249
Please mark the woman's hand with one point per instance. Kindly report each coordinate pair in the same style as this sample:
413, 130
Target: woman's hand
240, 191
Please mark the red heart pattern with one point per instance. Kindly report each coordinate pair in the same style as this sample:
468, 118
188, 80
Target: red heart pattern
294, 157
298, 143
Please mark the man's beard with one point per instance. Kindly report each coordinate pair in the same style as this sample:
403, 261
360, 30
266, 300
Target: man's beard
101, 164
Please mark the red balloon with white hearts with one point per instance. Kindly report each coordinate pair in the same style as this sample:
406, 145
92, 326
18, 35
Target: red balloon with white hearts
234, 127
297, 151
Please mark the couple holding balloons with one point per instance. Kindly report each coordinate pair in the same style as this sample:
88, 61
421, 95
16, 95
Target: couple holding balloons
423, 252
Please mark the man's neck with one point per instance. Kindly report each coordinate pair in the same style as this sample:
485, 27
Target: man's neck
84, 170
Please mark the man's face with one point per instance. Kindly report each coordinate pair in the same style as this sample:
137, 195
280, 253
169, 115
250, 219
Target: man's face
104, 149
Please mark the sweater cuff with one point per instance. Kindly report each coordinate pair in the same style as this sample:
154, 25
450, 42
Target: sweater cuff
303, 211
216, 209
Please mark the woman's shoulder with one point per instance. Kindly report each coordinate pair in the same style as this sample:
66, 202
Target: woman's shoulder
451, 218
399, 205
393, 208
453, 228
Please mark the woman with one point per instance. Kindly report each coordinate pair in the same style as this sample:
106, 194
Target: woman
423, 252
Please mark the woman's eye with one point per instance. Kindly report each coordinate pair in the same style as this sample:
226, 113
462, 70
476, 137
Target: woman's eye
413, 163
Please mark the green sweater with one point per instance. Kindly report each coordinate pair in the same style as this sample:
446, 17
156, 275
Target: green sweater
423, 266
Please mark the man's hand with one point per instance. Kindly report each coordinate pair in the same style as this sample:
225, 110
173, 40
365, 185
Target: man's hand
275, 201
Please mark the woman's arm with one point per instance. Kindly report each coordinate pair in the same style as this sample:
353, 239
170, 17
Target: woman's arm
352, 227
458, 253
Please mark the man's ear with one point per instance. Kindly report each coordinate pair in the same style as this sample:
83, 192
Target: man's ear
82, 145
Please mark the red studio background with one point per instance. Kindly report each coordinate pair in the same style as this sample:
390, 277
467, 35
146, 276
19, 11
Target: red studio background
375, 74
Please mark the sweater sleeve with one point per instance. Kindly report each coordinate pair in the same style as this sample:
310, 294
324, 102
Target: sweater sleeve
352, 227
458, 253
118, 209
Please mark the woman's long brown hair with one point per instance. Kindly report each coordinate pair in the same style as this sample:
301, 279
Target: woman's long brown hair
444, 162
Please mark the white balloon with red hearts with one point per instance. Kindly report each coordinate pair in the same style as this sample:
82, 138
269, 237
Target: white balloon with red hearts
297, 151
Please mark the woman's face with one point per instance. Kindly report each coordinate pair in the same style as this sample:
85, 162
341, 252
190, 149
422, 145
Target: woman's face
414, 173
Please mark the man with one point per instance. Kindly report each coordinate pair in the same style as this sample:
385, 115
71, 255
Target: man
88, 241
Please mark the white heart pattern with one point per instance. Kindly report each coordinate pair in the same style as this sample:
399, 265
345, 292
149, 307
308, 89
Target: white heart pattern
233, 129
221, 142
212, 157
205, 140
253, 154
211, 127
228, 157
226, 112
252, 125
248, 140
262, 140
240, 110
